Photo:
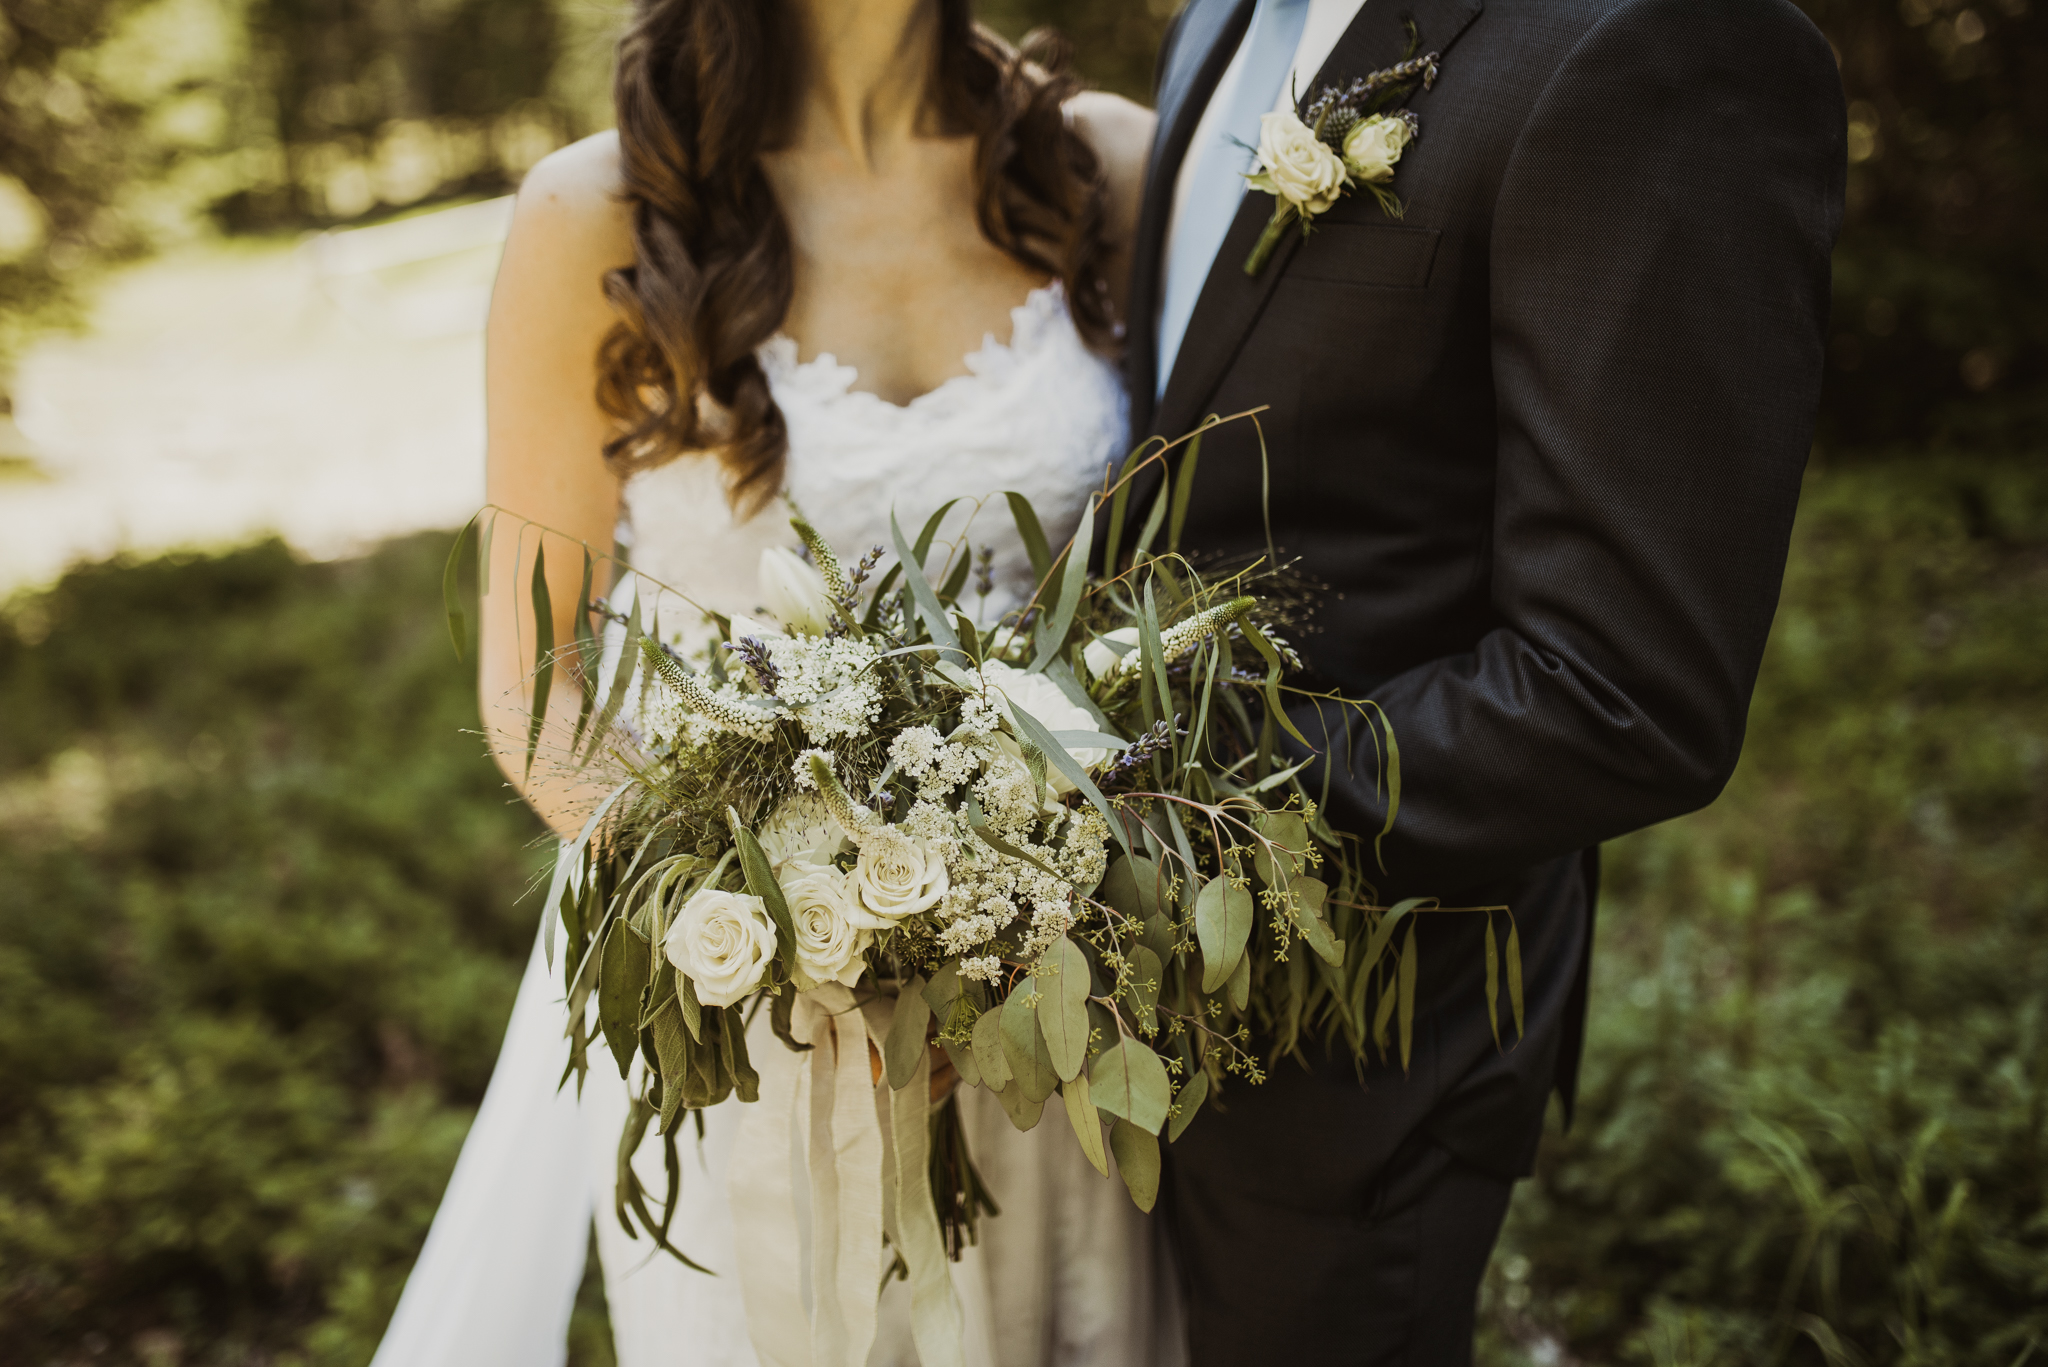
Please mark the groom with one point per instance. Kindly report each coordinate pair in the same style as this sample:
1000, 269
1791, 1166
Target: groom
1542, 437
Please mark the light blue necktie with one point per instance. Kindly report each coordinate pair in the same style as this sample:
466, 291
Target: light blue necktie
1218, 186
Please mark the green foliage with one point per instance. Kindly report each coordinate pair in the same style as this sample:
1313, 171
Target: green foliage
257, 946
1814, 1123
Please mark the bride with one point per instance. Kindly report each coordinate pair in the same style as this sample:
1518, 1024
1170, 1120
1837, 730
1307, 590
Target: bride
859, 253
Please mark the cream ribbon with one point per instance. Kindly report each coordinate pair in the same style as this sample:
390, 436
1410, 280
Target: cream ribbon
866, 1153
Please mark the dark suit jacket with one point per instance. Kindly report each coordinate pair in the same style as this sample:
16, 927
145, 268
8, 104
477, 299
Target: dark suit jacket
1543, 436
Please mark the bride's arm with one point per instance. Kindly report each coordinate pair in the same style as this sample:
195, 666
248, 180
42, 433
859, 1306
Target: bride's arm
546, 464
1121, 134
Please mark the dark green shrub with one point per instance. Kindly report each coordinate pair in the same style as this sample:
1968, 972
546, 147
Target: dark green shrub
1815, 1120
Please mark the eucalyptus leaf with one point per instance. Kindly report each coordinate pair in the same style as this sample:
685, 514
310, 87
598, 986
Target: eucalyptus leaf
1223, 927
1132, 887
1137, 1162
1086, 1120
988, 1050
1128, 1080
1063, 1006
543, 653
1054, 632
1021, 1109
761, 882
1407, 994
904, 1045
1024, 1046
1305, 901
1187, 1104
1240, 984
964, 1063
1276, 867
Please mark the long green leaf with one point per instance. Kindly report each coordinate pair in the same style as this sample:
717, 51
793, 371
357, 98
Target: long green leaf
1492, 981
543, 652
1035, 732
1515, 972
1120, 502
451, 594
1274, 668
623, 670
1024, 1049
761, 882
988, 1049
1045, 575
1053, 633
1407, 993
586, 655
927, 601
1183, 493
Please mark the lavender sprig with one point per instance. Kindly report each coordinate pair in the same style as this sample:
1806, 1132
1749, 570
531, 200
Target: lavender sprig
1140, 751
753, 652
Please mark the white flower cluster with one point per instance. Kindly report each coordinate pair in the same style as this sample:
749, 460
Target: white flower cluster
827, 685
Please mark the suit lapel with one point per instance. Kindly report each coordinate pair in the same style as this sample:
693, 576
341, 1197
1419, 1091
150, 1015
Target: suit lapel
1231, 301
1205, 38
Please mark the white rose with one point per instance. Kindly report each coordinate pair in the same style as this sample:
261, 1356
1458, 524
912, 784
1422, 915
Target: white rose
1373, 147
829, 944
1048, 705
1101, 656
896, 876
794, 592
1296, 164
801, 830
724, 941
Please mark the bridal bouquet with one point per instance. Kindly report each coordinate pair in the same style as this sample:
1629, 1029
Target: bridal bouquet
1070, 848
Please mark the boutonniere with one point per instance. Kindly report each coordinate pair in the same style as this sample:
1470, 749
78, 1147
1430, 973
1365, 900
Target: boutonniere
1342, 139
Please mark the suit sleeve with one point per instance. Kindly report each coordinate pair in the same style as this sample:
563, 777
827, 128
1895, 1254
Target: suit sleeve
1659, 290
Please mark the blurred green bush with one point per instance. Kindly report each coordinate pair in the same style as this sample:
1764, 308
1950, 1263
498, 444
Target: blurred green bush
259, 935
1814, 1125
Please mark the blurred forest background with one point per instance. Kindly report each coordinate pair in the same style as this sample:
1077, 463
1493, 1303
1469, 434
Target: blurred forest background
259, 931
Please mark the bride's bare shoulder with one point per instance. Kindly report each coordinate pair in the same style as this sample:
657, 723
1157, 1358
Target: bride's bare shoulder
1120, 131
570, 211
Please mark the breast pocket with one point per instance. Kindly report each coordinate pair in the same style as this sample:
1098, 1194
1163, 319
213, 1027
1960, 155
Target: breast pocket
1384, 255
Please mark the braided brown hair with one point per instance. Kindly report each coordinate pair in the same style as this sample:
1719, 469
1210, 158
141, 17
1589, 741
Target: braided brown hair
702, 88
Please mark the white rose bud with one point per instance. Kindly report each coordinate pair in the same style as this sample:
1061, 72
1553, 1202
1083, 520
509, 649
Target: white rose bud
724, 941
828, 943
794, 592
1296, 164
896, 876
1051, 708
1102, 657
1373, 147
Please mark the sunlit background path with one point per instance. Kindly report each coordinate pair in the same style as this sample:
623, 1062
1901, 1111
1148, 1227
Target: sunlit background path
329, 390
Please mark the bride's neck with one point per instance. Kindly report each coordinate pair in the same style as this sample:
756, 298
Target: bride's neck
867, 66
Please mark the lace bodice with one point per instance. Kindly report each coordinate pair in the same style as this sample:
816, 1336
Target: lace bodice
1039, 414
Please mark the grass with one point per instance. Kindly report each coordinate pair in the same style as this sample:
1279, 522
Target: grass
260, 933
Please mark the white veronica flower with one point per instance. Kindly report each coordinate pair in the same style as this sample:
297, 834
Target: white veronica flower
794, 592
724, 942
829, 944
896, 876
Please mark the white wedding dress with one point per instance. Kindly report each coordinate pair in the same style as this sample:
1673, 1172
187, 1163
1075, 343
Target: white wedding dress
1070, 1274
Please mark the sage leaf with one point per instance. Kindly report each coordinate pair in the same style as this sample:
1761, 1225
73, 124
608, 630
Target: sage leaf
761, 882
672, 1048
1137, 1162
